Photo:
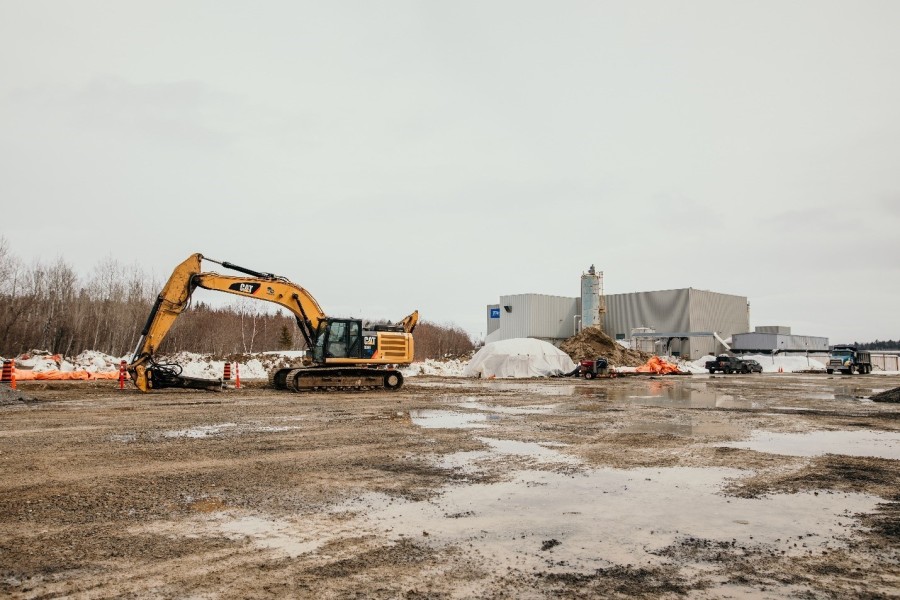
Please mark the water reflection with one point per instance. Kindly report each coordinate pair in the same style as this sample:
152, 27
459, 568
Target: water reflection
448, 419
877, 444
600, 517
677, 395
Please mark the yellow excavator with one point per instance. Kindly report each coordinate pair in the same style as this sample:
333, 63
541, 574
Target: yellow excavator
342, 353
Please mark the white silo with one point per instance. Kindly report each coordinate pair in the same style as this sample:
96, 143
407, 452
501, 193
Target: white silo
593, 304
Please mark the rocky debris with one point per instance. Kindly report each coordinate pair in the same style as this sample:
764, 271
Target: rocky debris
888, 396
10, 396
591, 342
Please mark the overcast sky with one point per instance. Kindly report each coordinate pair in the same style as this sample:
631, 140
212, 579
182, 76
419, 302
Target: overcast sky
389, 156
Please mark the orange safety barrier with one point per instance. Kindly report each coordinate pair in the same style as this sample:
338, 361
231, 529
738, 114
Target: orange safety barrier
226, 373
64, 375
658, 366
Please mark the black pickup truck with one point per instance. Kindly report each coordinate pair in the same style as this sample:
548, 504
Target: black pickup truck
732, 364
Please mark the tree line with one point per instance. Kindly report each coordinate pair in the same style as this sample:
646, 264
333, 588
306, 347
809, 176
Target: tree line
50, 307
878, 345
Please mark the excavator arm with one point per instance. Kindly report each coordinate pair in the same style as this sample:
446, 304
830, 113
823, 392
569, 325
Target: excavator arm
409, 322
175, 296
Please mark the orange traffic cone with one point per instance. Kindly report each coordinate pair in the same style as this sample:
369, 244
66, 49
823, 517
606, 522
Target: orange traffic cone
237, 375
9, 373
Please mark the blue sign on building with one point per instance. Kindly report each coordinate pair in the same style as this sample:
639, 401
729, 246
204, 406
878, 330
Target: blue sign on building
495, 313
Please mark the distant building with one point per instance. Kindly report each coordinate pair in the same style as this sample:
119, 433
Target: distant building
685, 322
549, 318
776, 339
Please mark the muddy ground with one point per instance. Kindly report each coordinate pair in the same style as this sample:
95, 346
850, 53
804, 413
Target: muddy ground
758, 486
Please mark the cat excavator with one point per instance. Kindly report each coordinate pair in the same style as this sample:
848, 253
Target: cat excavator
342, 353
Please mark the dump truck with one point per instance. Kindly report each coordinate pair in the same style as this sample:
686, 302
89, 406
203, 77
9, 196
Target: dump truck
849, 360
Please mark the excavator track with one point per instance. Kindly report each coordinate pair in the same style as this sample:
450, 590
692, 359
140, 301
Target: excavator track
335, 378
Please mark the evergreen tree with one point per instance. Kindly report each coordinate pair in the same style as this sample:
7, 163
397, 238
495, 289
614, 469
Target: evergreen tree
286, 340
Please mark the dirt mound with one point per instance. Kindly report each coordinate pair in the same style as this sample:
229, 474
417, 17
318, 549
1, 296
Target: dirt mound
592, 342
888, 396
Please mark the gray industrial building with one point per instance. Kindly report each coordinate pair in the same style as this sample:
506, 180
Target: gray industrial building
550, 318
684, 322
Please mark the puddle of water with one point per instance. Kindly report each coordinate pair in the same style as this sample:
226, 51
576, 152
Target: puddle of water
601, 517
447, 419
875, 444
541, 453
532, 450
281, 536
508, 410
540, 387
691, 398
677, 395
467, 462
534, 388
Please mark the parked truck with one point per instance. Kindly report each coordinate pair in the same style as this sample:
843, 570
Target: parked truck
849, 360
732, 364
725, 364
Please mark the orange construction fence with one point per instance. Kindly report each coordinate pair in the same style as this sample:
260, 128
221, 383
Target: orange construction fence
24, 375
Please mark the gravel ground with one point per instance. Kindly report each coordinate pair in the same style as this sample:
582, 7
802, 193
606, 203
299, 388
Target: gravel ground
758, 486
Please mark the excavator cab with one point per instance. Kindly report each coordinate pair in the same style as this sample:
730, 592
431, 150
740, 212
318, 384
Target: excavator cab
338, 339
348, 341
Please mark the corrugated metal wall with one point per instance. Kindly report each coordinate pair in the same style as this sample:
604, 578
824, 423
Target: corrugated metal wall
538, 316
679, 311
755, 341
665, 310
771, 341
725, 314
779, 329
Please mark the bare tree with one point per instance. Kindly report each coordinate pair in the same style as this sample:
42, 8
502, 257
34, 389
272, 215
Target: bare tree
49, 307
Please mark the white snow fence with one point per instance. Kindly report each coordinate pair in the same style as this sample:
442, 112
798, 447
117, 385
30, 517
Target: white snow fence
519, 357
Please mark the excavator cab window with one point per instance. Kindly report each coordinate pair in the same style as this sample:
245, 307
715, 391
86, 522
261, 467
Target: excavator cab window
354, 339
338, 338
319, 349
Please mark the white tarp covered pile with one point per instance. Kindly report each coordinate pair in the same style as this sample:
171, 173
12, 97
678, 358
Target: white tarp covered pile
519, 357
